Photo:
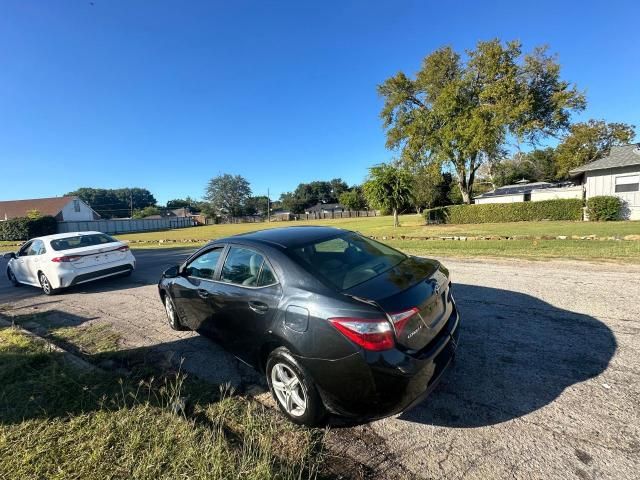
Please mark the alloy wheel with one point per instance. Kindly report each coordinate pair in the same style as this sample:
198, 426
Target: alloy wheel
44, 282
12, 277
289, 390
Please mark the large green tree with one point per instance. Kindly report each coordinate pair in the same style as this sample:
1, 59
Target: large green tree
309, 194
462, 111
389, 188
257, 205
536, 166
227, 194
353, 199
431, 187
590, 141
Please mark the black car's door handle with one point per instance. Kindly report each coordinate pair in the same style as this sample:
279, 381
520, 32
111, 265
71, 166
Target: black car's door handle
258, 307
203, 293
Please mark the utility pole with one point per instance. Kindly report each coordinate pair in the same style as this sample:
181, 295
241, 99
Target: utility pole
268, 207
130, 203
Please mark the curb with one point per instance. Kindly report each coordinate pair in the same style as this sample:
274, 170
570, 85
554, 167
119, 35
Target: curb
66, 355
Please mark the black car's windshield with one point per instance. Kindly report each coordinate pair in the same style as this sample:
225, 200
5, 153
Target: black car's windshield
348, 260
79, 241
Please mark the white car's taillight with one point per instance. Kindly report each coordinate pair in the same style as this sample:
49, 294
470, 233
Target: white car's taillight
65, 259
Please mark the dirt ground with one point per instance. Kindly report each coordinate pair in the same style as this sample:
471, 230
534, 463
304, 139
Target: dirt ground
546, 383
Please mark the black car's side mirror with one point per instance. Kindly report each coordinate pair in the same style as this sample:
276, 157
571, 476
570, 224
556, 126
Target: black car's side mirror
172, 272
9, 255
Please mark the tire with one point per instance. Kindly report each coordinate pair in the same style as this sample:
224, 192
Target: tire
299, 401
172, 314
12, 278
47, 289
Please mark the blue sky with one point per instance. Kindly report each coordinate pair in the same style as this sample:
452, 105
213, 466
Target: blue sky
165, 95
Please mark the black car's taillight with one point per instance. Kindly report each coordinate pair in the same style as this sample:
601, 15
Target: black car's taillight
370, 334
400, 319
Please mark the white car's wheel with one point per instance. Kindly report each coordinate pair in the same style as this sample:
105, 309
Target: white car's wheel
12, 278
46, 285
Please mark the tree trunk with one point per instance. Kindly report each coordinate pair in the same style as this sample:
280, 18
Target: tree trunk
396, 223
464, 191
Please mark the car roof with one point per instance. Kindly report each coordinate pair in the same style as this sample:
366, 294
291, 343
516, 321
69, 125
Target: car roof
288, 237
55, 236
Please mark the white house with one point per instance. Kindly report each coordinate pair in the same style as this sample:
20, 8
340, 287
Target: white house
64, 209
618, 174
529, 192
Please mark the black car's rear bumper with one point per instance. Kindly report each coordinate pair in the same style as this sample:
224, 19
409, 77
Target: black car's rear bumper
377, 384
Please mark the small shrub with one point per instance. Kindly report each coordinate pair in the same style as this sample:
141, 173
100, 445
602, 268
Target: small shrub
24, 228
563, 209
604, 208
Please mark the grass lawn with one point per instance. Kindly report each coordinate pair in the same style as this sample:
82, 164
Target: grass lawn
58, 421
413, 226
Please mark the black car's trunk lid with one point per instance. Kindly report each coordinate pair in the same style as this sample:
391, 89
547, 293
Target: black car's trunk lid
415, 296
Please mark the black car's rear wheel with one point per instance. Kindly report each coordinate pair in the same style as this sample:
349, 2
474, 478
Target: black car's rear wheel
172, 314
12, 278
293, 389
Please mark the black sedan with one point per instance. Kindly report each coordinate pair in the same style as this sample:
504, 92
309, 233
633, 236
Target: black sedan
336, 321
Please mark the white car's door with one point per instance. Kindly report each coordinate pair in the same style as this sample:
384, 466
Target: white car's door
21, 264
34, 260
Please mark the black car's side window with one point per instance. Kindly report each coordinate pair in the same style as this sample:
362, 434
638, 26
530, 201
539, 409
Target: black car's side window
204, 266
267, 276
243, 266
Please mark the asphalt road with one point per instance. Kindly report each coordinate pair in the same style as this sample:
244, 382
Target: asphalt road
150, 265
546, 383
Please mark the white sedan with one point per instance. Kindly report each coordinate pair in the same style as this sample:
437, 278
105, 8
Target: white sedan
58, 261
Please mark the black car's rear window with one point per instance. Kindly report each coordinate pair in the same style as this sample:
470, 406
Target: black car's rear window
348, 260
79, 241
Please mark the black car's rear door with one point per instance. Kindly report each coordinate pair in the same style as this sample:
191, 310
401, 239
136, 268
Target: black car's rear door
247, 298
194, 290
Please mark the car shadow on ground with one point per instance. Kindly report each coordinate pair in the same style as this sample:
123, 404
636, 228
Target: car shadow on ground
516, 354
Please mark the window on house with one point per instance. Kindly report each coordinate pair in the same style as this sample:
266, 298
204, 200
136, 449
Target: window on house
628, 183
76, 205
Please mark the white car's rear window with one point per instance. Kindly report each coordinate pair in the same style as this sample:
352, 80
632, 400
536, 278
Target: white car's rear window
80, 241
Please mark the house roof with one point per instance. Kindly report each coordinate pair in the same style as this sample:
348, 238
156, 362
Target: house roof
325, 206
46, 206
622, 156
517, 189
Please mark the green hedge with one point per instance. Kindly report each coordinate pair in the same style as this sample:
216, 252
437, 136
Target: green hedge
23, 228
565, 209
604, 208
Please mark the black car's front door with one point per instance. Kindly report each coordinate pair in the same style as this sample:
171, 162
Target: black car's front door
194, 289
247, 299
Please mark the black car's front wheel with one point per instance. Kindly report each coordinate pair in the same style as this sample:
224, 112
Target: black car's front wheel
293, 389
172, 314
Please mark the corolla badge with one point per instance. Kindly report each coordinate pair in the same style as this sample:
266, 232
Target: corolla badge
414, 332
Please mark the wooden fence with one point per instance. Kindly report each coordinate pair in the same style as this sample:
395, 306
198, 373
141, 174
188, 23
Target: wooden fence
290, 217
